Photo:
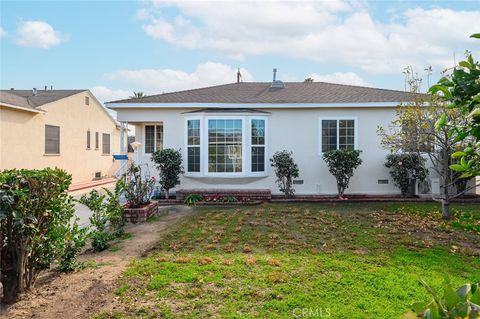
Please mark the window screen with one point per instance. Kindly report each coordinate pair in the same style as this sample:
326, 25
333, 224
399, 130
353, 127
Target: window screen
105, 143
52, 139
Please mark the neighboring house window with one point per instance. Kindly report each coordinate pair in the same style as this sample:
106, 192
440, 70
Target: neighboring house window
337, 134
87, 100
153, 138
96, 140
105, 143
88, 139
52, 139
258, 145
225, 146
193, 145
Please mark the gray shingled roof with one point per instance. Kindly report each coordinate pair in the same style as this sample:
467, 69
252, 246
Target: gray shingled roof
25, 98
12, 99
293, 92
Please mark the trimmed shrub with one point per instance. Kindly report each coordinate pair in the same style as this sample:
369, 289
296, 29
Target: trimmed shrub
406, 168
285, 170
169, 165
341, 164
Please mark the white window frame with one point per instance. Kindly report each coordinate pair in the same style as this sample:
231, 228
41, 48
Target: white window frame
265, 170
338, 119
246, 146
144, 134
185, 149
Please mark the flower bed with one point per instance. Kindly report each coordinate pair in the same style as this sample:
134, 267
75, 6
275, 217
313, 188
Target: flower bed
140, 215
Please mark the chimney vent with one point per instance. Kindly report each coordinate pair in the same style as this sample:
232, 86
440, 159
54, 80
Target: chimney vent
51, 87
34, 92
277, 83
45, 87
239, 76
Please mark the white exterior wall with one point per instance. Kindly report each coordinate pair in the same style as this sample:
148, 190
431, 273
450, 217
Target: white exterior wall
293, 130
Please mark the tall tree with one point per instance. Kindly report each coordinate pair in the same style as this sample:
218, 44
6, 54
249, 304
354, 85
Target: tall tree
415, 130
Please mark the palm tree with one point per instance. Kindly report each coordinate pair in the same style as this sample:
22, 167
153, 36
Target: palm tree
137, 95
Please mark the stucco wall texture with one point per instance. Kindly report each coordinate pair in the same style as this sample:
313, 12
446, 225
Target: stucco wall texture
22, 137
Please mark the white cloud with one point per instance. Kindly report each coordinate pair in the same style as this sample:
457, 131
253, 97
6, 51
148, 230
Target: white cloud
155, 81
349, 78
104, 94
325, 31
38, 34
2, 32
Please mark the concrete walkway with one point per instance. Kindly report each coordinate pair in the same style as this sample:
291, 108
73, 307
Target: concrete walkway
82, 211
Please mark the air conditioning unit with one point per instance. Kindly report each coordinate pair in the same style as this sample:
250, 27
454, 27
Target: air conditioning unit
427, 188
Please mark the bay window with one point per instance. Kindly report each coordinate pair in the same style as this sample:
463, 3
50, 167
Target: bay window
258, 145
337, 134
225, 145
193, 145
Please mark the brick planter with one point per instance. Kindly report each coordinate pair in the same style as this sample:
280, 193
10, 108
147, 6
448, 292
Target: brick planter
140, 215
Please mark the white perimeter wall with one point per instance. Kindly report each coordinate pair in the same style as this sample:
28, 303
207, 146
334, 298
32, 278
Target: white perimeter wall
294, 130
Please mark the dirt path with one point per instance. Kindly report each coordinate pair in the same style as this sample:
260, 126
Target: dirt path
86, 292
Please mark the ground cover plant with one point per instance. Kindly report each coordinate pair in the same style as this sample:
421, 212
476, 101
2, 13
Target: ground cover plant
274, 261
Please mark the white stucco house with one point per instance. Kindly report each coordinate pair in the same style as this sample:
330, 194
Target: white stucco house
227, 133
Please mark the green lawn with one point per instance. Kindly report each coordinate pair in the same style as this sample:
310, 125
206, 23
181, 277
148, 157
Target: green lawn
284, 261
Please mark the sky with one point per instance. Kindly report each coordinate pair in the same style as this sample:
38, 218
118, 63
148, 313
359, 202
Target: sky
116, 47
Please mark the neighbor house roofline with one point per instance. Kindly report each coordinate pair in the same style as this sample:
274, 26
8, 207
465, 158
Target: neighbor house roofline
22, 108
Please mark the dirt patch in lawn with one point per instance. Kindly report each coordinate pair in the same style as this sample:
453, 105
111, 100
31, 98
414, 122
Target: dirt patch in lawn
88, 291
424, 232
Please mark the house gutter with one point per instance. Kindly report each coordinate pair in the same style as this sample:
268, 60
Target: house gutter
113, 105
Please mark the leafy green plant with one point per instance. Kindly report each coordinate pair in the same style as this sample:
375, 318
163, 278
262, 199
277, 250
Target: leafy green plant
461, 92
341, 164
35, 216
286, 170
107, 215
405, 168
451, 304
100, 239
230, 199
114, 209
169, 164
192, 199
74, 242
137, 188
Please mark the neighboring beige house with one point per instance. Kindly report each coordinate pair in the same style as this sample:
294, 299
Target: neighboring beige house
69, 129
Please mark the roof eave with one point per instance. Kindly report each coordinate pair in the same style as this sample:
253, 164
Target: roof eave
116, 106
22, 108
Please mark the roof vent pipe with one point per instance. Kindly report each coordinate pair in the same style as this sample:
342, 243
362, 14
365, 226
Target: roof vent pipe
239, 76
45, 87
34, 91
274, 75
51, 87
